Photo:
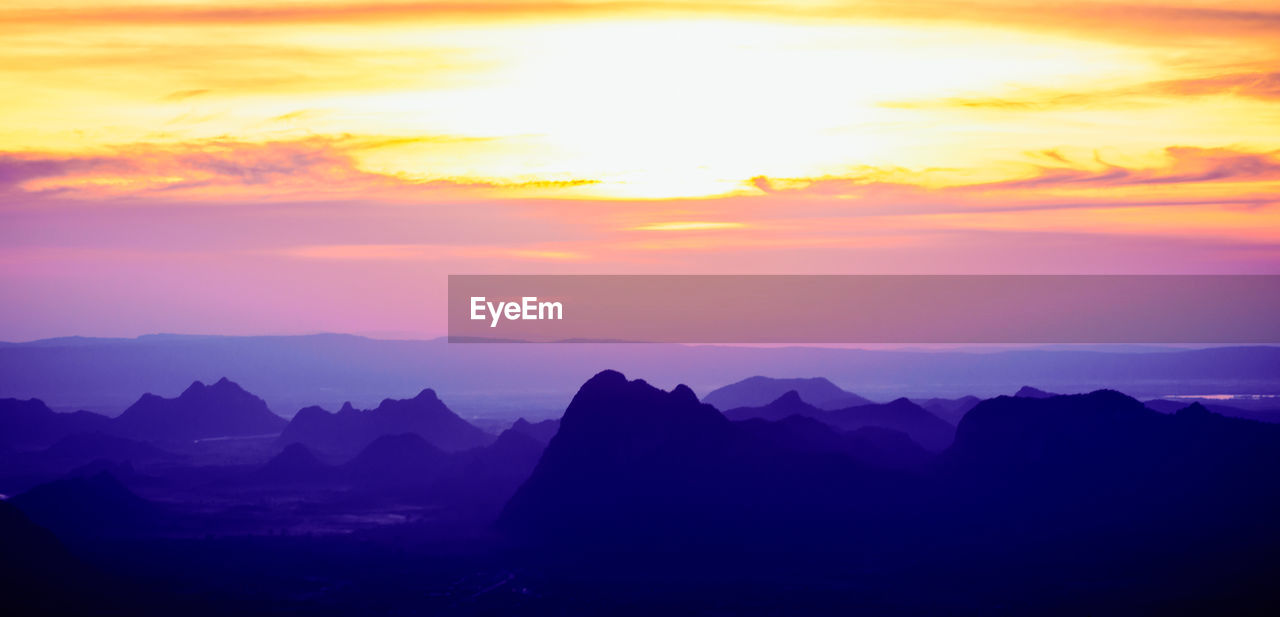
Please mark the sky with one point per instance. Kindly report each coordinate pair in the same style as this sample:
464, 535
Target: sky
286, 167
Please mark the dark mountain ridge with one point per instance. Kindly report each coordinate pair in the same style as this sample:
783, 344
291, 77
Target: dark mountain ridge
759, 391
350, 430
220, 410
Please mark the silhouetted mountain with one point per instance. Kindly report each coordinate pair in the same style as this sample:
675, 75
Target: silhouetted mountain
887, 448
296, 464
396, 460
96, 506
1030, 392
948, 409
221, 410
542, 431
1262, 415
38, 575
31, 425
291, 372
350, 429
81, 448
902, 415
634, 465
789, 404
487, 477
803, 434
759, 391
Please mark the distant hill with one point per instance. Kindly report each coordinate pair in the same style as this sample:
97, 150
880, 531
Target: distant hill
901, 415
759, 391
405, 460
542, 431
296, 464
291, 372
788, 404
1030, 392
350, 429
31, 425
948, 409
220, 410
1262, 415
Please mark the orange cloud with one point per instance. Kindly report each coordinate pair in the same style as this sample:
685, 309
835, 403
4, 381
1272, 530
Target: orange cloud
310, 165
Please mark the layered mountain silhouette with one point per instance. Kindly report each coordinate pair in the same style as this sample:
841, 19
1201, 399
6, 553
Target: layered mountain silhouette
223, 409
1261, 415
1030, 392
949, 409
350, 430
296, 464
636, 465
901, 415
93, 506
38, 574
759, 391
1079, 480
542, 431
396, 460
789, 404
31, 425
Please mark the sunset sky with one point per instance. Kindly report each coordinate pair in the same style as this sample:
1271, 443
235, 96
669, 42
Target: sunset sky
289, 167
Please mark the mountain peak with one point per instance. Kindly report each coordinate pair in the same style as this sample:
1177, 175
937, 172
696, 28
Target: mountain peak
195, 388
1030, 392
790, 397
685, 393
427, 394
1195, 410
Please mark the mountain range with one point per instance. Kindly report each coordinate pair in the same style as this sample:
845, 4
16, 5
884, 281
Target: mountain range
350, 429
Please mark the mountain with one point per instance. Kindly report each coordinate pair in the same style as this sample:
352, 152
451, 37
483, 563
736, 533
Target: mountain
82, 448
349, 429
652, 470
1030, 392
405, 460
789, 404
1262, 415
948, 409
291, 372
802, 434
221, 410
542, 431
759, 391
31, 425
296, 464
901, 415
39, 575
645, 483
94, 506
487, 477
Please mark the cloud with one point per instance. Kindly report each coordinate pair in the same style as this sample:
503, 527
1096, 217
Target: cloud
1254, 85
182, 95
310, 165
1170, 23
1184, 165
